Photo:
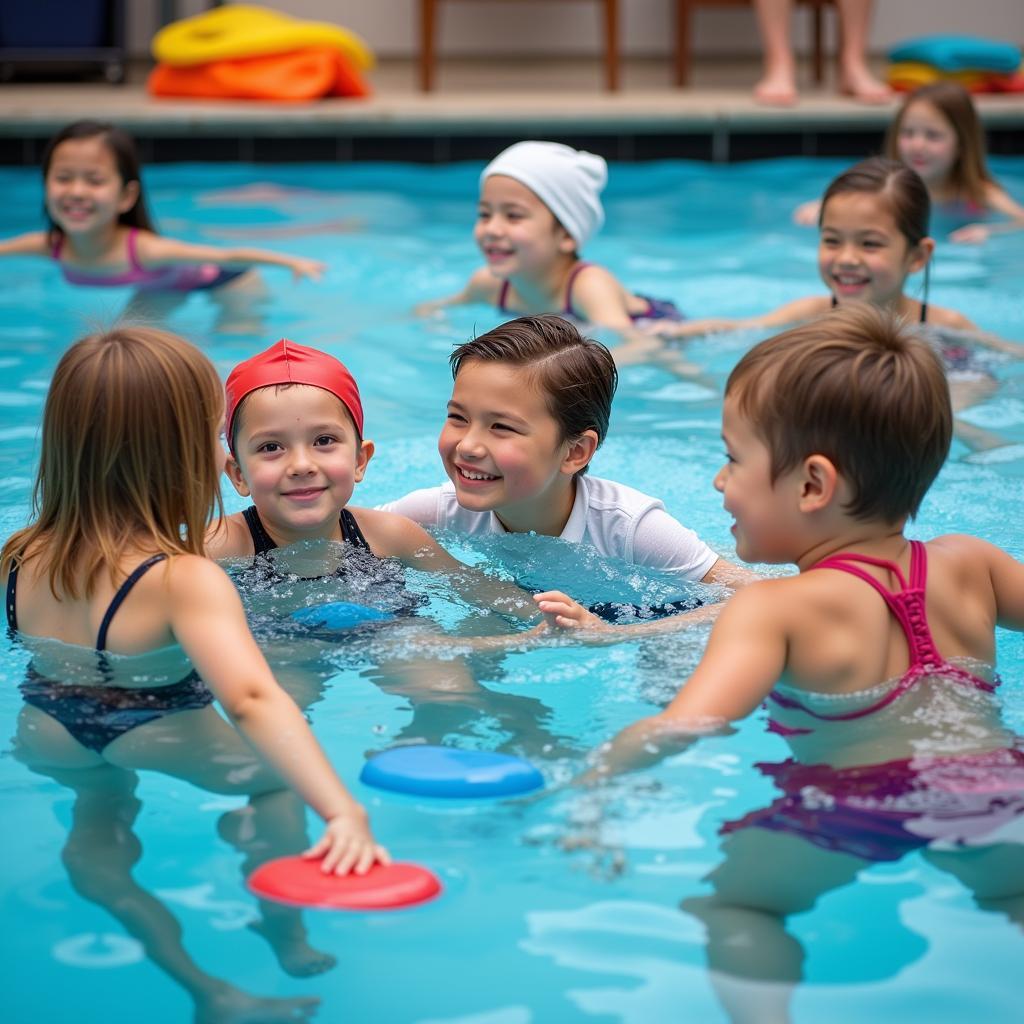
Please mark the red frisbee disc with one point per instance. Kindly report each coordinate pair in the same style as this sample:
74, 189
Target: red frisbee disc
384, 887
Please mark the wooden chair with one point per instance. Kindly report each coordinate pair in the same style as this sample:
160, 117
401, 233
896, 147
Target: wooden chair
684, 11
429, 10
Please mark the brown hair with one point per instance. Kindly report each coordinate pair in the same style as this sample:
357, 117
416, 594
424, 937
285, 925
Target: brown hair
126, 158
901, 188
127, 456
576, 375
858, 387
969, 174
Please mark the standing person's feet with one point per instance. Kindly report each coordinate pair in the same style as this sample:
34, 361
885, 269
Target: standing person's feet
777, 87
857, 81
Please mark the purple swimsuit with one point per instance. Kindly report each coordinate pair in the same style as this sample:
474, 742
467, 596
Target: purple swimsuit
185, 277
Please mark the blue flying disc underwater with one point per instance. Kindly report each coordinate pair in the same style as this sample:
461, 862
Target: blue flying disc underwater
338, 615
447, 772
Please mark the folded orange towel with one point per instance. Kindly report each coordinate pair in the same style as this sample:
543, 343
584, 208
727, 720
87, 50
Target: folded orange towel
299, 76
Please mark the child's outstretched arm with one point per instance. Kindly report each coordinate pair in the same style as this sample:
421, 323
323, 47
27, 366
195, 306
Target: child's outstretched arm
154, 250
745, 657
34, 243
1007, 575
999, 201
207, 619
482, 287
791, 313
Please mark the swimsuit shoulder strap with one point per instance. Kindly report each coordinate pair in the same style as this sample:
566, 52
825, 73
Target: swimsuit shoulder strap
122, 592
924, 311
262, 542
132, 250
58, 246
503, 296
350, 532
573, 274
12, 590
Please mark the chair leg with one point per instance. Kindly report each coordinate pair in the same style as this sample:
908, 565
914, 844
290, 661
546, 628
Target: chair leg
611, 44
682, 57
428, 28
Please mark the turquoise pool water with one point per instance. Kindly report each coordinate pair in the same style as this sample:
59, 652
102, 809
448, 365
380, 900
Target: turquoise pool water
526, 930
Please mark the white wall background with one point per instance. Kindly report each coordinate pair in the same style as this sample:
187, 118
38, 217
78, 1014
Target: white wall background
483, 27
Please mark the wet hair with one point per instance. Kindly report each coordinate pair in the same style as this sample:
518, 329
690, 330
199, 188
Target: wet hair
576, 375
900, 188
128, 441
126, 158
969, 174
859, 387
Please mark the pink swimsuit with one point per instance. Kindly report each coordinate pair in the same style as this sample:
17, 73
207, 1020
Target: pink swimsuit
908, 606
186, 277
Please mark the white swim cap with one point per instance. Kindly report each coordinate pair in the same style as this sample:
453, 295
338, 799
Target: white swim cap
567, 181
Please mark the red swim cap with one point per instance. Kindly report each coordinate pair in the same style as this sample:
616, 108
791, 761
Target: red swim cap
288, 363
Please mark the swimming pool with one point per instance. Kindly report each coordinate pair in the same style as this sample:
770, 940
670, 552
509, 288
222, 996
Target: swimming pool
526, 930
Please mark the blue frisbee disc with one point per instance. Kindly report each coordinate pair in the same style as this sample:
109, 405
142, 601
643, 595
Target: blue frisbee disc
447, 772
338, 615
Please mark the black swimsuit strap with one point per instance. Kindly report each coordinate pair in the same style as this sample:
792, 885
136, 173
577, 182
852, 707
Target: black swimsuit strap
350, 532
122, 593
924, 308
12, 589
262, 542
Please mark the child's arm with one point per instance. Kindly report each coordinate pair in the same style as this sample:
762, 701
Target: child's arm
600, 300
207, 619
154, 250
999, 201
791, 313
394, 535
34, 243
228, 537
1007, 575
745, 657
482, 287
939, 317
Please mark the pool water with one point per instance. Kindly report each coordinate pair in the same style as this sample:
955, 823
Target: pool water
563, 907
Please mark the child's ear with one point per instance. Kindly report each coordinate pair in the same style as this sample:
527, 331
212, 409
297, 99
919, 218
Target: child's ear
581, 451
921, 254
819, 483
566, 243
233, 471
129, 196
363, 456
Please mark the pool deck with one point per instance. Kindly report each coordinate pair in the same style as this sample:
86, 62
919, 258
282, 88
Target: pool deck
476, 105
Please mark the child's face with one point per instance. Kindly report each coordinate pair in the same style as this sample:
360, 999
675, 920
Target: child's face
767, 526
862, 255
500, 445
297, 457
84, 190
927, 142
516, 232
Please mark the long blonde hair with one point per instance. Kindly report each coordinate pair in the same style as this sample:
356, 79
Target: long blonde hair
127, 457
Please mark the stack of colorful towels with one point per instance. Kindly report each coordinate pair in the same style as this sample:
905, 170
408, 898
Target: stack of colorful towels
979, 65
244, 52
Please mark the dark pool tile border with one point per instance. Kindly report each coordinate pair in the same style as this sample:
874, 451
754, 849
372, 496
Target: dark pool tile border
718, 145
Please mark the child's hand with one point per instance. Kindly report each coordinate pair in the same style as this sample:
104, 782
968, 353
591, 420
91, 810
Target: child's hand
971, 234
806, 214
562, 612
313, 269
348, 845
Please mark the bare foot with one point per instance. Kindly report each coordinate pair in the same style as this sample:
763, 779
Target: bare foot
287, 938
859, 83
776, 89
230, 1005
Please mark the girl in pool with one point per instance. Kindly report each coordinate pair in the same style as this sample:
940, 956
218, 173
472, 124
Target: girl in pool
113, 568
937, 133
873, 236
875, 661
529, 408
100, 233
540, 203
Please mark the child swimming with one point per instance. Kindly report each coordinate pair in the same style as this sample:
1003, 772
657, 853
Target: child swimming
540, 203
873, 236
530, 406
875, 661
100, 233
938, 134
133, 632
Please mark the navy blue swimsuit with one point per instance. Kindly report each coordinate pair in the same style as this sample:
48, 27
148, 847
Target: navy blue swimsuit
97, 715
262, 542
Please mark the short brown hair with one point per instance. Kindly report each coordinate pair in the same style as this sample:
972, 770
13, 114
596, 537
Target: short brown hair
858, 387
969, 174
127, 455
576, 375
